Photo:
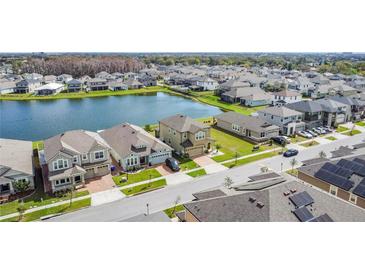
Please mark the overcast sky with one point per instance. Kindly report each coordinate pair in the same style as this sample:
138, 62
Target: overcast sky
182, 26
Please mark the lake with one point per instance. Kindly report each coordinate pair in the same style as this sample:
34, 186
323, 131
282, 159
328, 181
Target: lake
38, 120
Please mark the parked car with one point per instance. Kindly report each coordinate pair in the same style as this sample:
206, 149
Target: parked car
304, 134
290, 153
308, 133
322, 130
279, 140
328, 129
313, 133
316, 130
173, 164
287, 139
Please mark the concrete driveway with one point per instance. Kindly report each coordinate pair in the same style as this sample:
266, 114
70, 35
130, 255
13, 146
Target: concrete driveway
214, 168
106, 196
204, 160
177, 178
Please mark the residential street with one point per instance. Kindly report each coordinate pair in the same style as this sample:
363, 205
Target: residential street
164, 198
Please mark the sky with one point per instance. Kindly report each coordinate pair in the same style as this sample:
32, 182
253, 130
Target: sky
182, 26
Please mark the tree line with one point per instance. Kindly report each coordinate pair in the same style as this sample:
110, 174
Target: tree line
80, 66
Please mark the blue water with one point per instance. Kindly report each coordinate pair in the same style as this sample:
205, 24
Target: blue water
38, 120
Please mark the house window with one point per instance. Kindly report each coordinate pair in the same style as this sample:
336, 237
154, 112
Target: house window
184, 135
262, 134
200, 135
60, 164
235, 127
84, 157
333, 190
353, 198
174, 132
99, 155
75, 159
62, 181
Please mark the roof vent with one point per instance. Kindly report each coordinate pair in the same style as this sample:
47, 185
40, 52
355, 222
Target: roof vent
133, 132
124, 125
293, 190
252, 199
181, 116
286, 193
260, 204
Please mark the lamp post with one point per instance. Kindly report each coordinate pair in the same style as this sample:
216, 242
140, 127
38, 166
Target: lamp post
148, 209
281, 166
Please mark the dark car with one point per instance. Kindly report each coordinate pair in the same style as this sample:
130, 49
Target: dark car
279, 140
173, 164
290, 153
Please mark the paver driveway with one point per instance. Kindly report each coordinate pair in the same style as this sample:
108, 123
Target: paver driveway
100, 184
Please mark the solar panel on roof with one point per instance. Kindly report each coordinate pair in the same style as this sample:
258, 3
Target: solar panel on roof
334, 179
360, 189
356, 167
343, 172
322, 218
361, 161
301, 199
303, 214
330, 167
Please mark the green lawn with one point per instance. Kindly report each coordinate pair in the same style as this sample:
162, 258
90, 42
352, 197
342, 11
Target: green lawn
144, 187
143, 175
54, 210
352, 132
293, 172
297, 139
186, 163
170, 211
361, 124
197, 173
342, 129
82, 94
251, 159
331, 138
310, 144
231, 144
215, 101
36, 200
38, 145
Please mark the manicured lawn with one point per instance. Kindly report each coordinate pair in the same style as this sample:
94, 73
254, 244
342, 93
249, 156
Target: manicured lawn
342, 129
186, 163
144, 187
361, 124
143, 175
251, 159
231, 144
170, 211
53, 210
215, 101
79, 95
310, 144
38, 145
36, 200
331, 138
352, 132
197, 173
297, 139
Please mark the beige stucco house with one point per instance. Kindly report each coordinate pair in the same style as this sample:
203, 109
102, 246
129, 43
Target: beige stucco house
185, 135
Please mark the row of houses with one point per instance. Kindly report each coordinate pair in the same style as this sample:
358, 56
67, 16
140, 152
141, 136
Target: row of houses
73, 157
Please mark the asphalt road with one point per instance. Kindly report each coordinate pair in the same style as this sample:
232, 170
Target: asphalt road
164, 198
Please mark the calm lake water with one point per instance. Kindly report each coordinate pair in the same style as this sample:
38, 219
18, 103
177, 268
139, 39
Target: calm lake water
38, 120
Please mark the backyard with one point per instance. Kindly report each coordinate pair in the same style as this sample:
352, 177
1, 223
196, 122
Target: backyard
230, 145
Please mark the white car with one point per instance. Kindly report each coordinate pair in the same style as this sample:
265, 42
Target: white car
304, 134
312, 133
287, 139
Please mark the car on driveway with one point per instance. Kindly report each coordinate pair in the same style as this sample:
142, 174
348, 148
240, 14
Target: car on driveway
313, 133
290, 153
279, 140
173, 164
304, 134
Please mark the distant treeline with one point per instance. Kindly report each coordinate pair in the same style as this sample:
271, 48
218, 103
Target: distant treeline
79, 66
343, 67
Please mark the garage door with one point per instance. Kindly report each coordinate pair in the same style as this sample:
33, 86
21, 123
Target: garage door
89, 173
195, 151
102, 170
159, 158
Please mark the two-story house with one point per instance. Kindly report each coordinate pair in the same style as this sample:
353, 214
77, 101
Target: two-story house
206, 83
357, 106
334, 112
68, 159
285, 97
75, 85
289, 121
27, 85
312, 113
185, 135
133, 148
252, 128
97, 84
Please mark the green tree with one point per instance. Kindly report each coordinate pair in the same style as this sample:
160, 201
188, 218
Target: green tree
228, 182
21, 185
293, 163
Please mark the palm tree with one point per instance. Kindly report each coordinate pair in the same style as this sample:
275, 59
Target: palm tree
322, 154
21, 210
293, 163
217, 147
228, 182
177, 201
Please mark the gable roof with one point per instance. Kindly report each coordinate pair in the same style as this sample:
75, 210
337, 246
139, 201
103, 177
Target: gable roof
305, 106
280, 111
183, 123
126, 139
72, 142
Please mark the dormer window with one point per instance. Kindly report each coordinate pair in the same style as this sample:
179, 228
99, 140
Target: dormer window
84, 157
75, 159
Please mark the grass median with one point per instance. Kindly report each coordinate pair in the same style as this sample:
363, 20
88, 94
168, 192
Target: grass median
251, 159
139, 189
197, 173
